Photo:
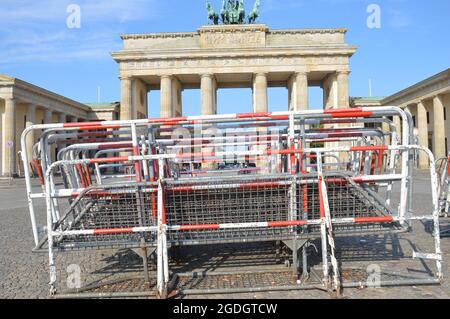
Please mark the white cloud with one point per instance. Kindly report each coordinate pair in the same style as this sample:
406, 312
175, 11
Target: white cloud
37, 31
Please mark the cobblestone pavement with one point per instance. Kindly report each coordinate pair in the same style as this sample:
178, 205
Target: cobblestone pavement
24, 274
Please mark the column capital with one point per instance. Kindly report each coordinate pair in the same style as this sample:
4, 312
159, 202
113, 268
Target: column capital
438, 96
9, 98
125, 78
166, 76
260, 74
344, 72
297, 74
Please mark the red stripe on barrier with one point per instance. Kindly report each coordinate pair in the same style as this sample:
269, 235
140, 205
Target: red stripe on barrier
39, 172
169, 121
339, 181
344, 113
322, 203
380, 161
352, 114
360, 180
94, 127
279, 117
88, 175
384, 219
81, 174
334, 111
448, 166
288, 223
199, 227
83, 124
282, 152
137, 164
113, 231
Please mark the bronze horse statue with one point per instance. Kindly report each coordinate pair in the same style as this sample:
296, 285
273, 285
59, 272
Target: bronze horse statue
233, 12
212, 14
254, 14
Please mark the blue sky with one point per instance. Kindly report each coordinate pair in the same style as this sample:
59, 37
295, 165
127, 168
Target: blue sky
36, 45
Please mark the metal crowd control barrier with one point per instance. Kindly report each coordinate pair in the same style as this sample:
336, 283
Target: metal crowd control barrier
305, 179
443, 171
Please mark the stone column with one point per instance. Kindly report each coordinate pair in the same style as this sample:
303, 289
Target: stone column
299, 92
166, 97
48, 119
439, 128
177, 99
9, 164
62, 118
126, 99
260, 102
422, 125
385, 128
31, 120
207, 94
343, 91
48, 116
398, 128
260, 93
329, 86
208, 107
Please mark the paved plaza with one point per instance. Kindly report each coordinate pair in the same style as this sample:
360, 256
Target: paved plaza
24, 274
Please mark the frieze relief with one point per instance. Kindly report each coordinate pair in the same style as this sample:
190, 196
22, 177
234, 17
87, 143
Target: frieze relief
237, 62
232, 40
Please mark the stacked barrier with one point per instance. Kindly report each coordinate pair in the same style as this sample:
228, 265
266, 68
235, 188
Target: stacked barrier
443, 171
292, 177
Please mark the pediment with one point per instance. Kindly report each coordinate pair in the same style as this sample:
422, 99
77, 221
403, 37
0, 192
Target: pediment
5, 78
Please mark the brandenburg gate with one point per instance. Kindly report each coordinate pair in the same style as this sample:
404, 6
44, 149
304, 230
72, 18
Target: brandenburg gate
233, 56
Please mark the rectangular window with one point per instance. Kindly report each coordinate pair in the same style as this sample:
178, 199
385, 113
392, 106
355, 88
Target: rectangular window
24, 121
446, 146
414, 121
428, 117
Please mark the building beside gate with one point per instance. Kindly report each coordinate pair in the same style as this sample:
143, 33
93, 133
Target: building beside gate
429, 103
23, 104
